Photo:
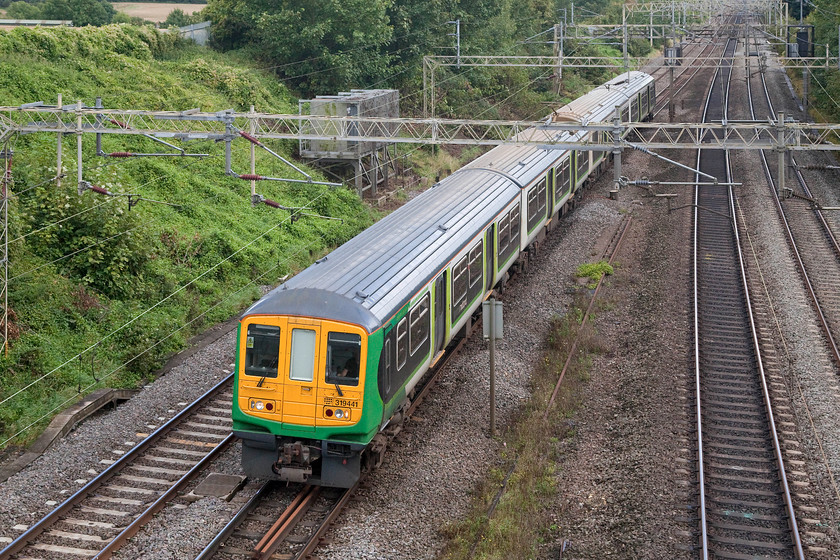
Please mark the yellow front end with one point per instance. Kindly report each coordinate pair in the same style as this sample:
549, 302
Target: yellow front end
301, 373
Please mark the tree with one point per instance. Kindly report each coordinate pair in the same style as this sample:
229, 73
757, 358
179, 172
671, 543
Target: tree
177, 18
82, 12
320, 47
23, 10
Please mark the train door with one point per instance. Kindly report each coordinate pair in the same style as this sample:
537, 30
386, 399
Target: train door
490, 255
301, 391
440, 312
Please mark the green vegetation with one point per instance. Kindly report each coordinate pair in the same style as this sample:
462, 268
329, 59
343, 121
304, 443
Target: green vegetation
379, 43
824, 96
594, 271
101, 293
81, 12
512, 508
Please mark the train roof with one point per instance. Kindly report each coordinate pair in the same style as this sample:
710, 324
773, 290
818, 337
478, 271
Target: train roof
368, 279
599, 104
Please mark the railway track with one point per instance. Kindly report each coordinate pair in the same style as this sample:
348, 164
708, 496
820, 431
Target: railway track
745, 508
688, 71
99, 518
814, 245
258, 532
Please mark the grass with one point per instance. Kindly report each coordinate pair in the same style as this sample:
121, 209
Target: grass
525, 489
100, 294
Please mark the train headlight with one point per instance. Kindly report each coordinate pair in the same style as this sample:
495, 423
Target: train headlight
260, 405
339, 413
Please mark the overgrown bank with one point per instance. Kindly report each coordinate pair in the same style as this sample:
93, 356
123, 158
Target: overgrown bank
100, 293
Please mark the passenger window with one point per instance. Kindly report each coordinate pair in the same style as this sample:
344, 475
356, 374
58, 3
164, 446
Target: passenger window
582, 164
302, 366
419, 319
262, 350
389, 371
504, 233
541, 198
514, 225
532, 204
460, 281
343, 358
476, 266
566, 176
402, 343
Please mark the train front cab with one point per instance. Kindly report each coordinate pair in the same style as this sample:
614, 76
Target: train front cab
299, 399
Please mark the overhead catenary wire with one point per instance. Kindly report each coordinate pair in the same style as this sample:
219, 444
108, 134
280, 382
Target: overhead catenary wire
114, 370
156, 305
92, 245
166, 298
184, 286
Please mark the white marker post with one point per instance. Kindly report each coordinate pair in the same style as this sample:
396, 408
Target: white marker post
492, 327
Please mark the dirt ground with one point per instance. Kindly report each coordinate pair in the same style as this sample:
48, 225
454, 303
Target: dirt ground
153, 11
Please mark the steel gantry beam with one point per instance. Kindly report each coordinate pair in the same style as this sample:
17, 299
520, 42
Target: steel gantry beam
229, 126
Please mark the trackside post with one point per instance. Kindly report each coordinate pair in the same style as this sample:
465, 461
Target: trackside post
492, 327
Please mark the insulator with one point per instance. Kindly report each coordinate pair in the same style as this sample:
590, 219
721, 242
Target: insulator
120, 154
642, 182
251, 177
271, 203
99, 190
249, 138
119, 123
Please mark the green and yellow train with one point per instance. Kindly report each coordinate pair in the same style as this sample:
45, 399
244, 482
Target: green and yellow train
328, 361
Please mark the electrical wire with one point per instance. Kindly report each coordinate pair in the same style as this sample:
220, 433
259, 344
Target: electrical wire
231, 296
822, 87
355, 49
201, 275
112, 333
161, 302
62, 220
92, 245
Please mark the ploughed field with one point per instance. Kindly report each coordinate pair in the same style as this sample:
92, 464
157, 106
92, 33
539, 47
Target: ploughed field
155, 11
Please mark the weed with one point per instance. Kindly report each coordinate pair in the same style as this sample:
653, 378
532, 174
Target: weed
518, 524
594, 271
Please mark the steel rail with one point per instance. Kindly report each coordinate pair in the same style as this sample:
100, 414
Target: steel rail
268, 544
35, 530
817, 210
213, 546
756, 354
701, 475
834, 347
327, 522
687, 81
572, 353
290, 517
795, 537
119, 540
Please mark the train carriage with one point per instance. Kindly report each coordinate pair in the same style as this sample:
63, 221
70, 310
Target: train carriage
328, 360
